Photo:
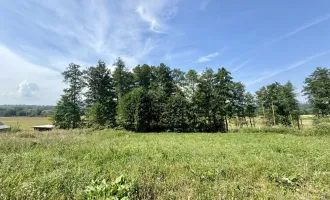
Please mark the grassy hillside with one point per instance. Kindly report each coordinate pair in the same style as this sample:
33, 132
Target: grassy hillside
61, 165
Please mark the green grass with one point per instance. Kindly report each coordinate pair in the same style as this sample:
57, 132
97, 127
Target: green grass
61, 165
25, 123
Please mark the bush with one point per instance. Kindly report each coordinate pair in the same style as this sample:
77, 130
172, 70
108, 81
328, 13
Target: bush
15, 128
121, 188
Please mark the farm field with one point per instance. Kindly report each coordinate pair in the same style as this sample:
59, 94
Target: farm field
62, 164
25, 123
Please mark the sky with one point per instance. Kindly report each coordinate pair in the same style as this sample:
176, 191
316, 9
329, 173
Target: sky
259, 41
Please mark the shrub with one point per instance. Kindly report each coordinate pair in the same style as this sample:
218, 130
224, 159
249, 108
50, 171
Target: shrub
15, 128
121, 188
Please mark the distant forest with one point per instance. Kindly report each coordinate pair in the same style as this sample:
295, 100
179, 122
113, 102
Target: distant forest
25, 111
158, 98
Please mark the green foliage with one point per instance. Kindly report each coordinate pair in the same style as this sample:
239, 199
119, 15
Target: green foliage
25, 111
120, 189
15, 128
123, 79
279, 104
68, 111
174, 117
96, 116
67, 114
100, 96
134, 110
291, 183
317, 90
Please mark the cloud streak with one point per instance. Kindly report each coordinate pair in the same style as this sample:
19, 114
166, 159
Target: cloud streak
242, 65
290, 67
209, 57
283, 37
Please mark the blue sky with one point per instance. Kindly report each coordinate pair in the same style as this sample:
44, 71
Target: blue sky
258, 41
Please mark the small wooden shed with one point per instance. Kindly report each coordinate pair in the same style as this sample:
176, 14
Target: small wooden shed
43, 128
4, 127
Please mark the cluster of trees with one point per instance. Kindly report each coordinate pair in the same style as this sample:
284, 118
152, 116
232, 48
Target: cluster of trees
317, 90
157, 98
278, 104
25, 111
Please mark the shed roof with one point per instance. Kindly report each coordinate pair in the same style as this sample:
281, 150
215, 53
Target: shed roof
4, 127
44, 126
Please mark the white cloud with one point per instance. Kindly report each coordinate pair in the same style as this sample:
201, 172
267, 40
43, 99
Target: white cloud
61, 32
27, 90
99, 29
208, 57
45, 85
292, 66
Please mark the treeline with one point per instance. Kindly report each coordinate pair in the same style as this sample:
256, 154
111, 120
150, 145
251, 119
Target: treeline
25, 111
157, 98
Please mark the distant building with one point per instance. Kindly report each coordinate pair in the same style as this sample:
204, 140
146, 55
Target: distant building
43, 128
4, 127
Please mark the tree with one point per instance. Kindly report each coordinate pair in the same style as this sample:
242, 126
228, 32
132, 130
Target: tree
100, 94
134, 111
68, 110
179, 79
238, 104
205, 101
143, 76
174, 117
164, 79
123, 79
279, 104
317, 91
250, 108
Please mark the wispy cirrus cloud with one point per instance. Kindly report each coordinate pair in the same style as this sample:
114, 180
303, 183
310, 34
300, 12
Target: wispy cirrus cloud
49, 35
210, 56
242, 65
290, 67
272, 41
100, 30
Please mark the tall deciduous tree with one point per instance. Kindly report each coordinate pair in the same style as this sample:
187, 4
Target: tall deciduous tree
317, 90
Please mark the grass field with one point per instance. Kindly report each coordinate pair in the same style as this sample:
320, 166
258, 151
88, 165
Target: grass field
60, 165
25, 123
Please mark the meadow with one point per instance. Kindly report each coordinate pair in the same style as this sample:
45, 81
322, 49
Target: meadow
25, 123
84, 164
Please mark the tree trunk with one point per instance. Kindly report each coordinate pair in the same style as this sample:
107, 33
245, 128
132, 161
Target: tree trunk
263, 109
250, 122
226, 121
273, 114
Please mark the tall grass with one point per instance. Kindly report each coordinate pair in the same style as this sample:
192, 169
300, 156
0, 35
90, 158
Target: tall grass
71, 164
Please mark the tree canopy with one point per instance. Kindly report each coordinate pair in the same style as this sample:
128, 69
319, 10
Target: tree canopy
157, 98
